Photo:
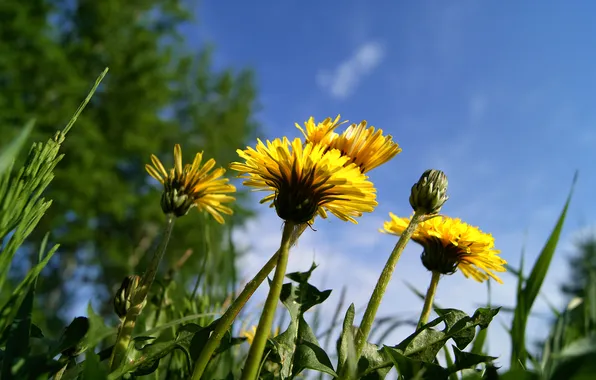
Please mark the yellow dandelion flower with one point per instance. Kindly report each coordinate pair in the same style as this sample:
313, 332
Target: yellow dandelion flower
306, 180
450, 244
366, 147
192, 185
250, 334
320, 133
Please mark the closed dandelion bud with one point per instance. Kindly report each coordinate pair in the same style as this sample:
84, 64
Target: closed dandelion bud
124, 295
430, 192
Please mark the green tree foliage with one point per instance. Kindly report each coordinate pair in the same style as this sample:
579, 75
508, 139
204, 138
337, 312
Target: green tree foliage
105, 212
582, 265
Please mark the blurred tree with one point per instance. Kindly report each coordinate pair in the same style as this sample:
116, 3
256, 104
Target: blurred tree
106, 212
582, 263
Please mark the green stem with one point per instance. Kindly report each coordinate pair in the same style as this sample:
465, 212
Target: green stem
382, 283
229, 316
428, 300
255, 353
138, 302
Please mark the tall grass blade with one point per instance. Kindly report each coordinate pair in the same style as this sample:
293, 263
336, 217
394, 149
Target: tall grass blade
528, 293
10, 152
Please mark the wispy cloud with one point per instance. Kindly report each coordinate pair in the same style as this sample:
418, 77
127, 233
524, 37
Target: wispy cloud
343, 80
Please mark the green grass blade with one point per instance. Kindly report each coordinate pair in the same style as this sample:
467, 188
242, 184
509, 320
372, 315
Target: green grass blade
18, 332
12, 150
8, 311
536, 278
84, 103
527, 295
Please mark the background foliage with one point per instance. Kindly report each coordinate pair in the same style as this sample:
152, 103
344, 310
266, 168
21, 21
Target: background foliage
104, 212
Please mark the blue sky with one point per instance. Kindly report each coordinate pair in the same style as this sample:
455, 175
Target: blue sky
499, 95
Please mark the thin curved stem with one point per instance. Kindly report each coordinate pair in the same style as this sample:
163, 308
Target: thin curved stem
255, 353
377, 295
428, 300
138, 302
230, 315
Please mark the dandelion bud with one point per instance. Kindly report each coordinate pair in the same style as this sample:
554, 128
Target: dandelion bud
430, 192
124, 295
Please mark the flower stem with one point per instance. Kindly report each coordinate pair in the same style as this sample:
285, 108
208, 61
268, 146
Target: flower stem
428, 300
140, 295
257, 347
229, 316
382, 283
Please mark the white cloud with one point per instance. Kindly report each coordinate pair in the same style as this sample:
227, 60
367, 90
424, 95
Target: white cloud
342, 81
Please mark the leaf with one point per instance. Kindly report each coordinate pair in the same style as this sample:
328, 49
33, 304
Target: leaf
518, 374
425, 343
530, 291
36, 332
465, 360
408, 368
70, 343
297, 348
374, 363
92, 368
98, 331
11, 151
151, 353
17, 345
8, 311
576, 361
347, 364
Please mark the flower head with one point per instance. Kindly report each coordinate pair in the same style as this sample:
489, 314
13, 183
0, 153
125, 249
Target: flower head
450, 244
320, 133
365, 147
306, 180
193, 185
429, 194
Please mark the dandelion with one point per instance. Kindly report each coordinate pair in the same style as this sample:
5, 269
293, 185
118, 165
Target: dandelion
306, 180
450, 244
320, 133
366, 147
192, 185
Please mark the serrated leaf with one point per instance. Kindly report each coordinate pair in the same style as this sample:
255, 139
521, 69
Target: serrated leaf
426, 342
374, 363
410, 368
465, 360
297, 348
